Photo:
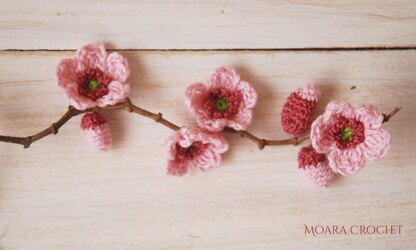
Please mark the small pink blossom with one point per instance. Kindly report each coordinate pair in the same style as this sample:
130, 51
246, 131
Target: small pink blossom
227, 102
349, 135
93, 77
193, 148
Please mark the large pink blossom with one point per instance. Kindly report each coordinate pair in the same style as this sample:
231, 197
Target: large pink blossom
93, 77
227, 102
193, 148
349, 135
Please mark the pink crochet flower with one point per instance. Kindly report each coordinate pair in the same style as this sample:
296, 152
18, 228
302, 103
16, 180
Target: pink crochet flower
227, 102
195, 148
349, 135
94, 78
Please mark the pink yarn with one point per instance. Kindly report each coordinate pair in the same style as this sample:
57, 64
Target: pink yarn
298, 109
227, 102
321, 175
193, 148
367, 139
97, 131
93, 77
315, 166
309, 92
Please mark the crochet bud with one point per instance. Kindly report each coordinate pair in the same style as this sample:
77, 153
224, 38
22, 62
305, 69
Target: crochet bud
315, 166
96, 129
298, 109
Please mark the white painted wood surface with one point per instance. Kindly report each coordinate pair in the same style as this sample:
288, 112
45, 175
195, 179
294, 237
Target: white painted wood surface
60, 194
126, 24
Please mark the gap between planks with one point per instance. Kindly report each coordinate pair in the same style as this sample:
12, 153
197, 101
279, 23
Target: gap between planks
234, 49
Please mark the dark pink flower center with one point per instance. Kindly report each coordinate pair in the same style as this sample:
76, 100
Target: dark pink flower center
222, 103
93, 83
347, 132
190, 152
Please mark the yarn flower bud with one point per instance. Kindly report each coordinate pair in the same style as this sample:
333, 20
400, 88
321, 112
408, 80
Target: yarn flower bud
193, 148
298, 109
98, 133
315, 166
227, 102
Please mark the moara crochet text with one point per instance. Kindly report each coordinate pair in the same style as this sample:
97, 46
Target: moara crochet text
342, 138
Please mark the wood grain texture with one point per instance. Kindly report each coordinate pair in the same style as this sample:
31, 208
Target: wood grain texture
60, 194
183, 24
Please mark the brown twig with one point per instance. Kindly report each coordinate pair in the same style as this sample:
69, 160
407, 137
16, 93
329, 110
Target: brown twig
53, 129
391, 114
261, 143
129, 106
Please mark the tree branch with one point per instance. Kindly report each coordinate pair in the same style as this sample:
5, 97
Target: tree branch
261, 143
391, 114
129, 106
53, 129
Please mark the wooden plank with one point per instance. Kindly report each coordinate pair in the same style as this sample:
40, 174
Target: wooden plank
183, 24
60, 194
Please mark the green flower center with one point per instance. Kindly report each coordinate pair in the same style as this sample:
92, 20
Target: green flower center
346, 133
93, 85
221, 104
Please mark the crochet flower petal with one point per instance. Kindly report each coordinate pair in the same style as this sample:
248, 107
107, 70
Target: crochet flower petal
207, 160
242, 120
187, 136
193, 96
319, 137
176, 168
117, 93
376, 144
91, 56
346, 162
249, 94
338, 108
66, 74
214, 125
218, 143
369, 116
224, 77
117, 67
169, 149
79, 101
